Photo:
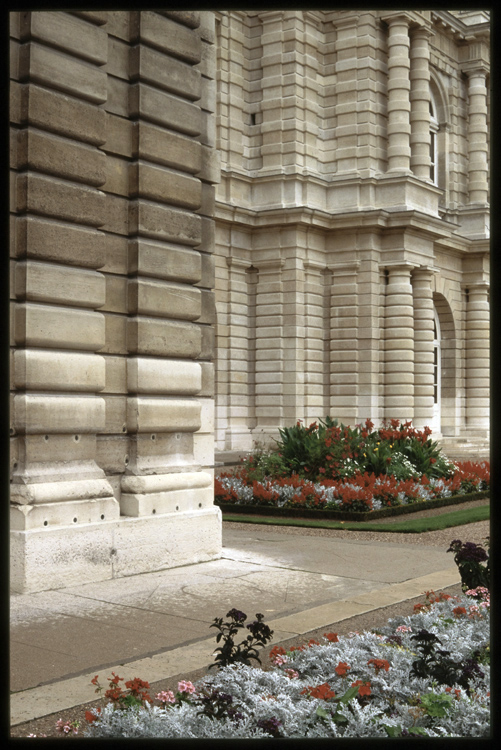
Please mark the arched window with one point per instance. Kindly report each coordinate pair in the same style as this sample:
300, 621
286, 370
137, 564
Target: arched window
433, 142
437, 373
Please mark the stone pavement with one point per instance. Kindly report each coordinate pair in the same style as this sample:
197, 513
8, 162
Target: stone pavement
156, 625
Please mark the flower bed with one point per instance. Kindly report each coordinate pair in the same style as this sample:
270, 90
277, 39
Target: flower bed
360, 497
424, 675
331, 467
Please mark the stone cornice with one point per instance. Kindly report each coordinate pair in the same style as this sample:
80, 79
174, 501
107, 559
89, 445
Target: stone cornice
361, 221
452, 26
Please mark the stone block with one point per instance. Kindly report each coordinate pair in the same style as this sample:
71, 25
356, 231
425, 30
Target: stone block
165, 223
164, 299
208, 378
208, 60
163, 338
211, 165
47, 493
62, 243
203, 449
118, 24
39, 370
169, 482
36, 193
118, 58
67, 33
58, 327
115, 334
61, 114
118, 96
207, 415
47, 67
116, 294
161, 503
207, 26
164, 72
190, 18
159, 453
37, 454
45, 282
15, 96
117, 176
164, 185
168, 376
208, 346
207, 201
97, 17
208, 235
162, 414
116, 374
168, 148
61, 413
208, 275
164, 261
208, 311
51, 558
161, 542
166, 35
116, 414
119, 135
116, 215
154, 105
112, 456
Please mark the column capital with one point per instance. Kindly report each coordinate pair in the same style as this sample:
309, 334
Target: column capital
475, 67
421, 31
396, 17
424, 271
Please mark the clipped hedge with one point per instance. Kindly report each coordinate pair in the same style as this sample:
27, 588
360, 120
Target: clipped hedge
340, 515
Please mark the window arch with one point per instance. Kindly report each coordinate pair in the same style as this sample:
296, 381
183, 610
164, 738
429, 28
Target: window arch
439, 136
434, 127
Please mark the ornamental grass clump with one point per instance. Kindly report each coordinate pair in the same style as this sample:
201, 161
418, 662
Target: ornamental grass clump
424, 675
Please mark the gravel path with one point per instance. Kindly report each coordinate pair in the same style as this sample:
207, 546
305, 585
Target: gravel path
470, 532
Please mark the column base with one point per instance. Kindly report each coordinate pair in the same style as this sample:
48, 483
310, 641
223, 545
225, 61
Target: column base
47, 559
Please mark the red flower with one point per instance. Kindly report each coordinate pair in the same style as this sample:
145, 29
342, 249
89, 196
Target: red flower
321, 691
90, 717
379, 664
331, 637
342, 668
459, 611
364, 687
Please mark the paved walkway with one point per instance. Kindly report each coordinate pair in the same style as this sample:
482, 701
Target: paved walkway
156, 625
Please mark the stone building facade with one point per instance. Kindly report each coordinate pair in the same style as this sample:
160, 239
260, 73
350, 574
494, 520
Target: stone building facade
352, 222
112, 325
223, 222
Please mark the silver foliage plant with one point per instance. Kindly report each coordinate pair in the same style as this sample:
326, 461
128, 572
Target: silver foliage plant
394, 705
330, 495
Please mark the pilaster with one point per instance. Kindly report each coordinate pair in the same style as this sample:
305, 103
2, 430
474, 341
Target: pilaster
399, 344
423, 347
344, 355
477, 358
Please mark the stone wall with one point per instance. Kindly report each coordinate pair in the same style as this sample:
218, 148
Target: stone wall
113, 168
336, 244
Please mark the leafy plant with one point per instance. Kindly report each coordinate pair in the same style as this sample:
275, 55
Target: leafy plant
469, 558
231, 653
437, 665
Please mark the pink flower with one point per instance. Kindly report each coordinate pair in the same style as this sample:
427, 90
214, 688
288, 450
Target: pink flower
166, 696
404, 629
291, 673
185, 686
